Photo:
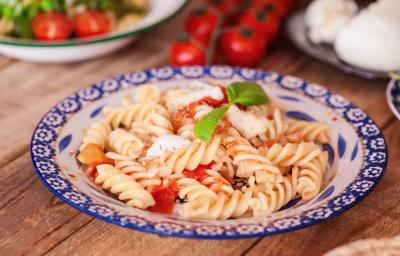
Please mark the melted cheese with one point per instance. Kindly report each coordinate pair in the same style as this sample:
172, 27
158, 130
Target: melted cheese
249, 124
167, 143
181, 97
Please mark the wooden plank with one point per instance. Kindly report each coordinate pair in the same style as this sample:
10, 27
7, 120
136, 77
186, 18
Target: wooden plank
29, 213
376, 217
99, 238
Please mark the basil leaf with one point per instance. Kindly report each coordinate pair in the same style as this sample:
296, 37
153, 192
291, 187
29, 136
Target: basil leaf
205, 127
246, 93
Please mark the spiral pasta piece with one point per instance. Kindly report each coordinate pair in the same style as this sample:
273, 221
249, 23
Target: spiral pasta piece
247, 158
149, 113
191, 157
124, 186
275, 196
217, 183
147, 178
292, 154
298, 131
311, 176
97, 133
148, 93
226, 206
125, 143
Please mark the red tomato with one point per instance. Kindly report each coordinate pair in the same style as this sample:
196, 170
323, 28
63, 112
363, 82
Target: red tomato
91, 23
262, 22
200, 24
276, 7
186, 52
224, 6
51, 26
165, 200
242, 46
199, 173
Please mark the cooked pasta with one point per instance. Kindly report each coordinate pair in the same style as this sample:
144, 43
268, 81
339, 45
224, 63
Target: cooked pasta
298, 131
148, 153
247, 158
191, 157
292, 154
274, 197
127, 189
311, 176
97, 133
125, 143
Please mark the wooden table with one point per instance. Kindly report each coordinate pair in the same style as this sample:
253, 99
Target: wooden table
35, 222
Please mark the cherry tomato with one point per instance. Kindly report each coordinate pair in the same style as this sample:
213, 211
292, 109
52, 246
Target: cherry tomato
275, 7
224, 6
242, 46
91, 23
51, 26
200, 24
186, 52
262, 22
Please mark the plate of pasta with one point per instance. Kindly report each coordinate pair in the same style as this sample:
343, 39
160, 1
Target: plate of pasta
208, 152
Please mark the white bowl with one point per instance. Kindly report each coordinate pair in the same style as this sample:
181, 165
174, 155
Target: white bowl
82, 49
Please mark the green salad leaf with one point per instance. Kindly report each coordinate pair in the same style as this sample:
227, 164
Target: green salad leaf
205, 127
246, 93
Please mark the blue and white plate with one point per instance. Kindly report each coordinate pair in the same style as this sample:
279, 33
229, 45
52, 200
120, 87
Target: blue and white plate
357, 153
393, 97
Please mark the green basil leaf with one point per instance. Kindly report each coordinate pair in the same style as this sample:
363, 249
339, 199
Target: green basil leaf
205, 127
246, 93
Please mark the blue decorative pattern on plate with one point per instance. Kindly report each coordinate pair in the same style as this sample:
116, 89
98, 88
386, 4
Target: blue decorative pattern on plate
357, 156
393, 97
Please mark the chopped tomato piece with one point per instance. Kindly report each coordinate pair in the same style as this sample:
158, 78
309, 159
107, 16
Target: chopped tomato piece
165, 199
270, 143
199, 173
93, 155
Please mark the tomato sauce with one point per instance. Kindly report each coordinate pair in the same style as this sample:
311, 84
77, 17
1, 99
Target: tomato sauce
213, 102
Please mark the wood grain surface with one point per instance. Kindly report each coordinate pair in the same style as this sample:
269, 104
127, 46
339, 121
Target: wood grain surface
35, 222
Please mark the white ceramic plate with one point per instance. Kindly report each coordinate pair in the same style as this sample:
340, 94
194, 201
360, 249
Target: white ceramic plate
357, 153
82, 49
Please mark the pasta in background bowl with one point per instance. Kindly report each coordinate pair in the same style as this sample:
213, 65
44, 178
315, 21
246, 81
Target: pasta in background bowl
357, 153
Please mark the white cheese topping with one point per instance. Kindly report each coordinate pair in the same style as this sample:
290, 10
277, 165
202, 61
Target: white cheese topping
324, 18
249, 124
181, 97
167, 143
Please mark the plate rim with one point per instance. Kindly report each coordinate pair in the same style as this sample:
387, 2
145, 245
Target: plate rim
235, 70
17, 42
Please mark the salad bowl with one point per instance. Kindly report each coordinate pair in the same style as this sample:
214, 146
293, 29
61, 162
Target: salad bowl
79, 49
357, 153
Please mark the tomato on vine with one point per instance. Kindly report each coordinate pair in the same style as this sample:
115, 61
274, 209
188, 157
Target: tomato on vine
224, 6
201, 23
262, 22
51, 26
274, 7
186, 51
242, 46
